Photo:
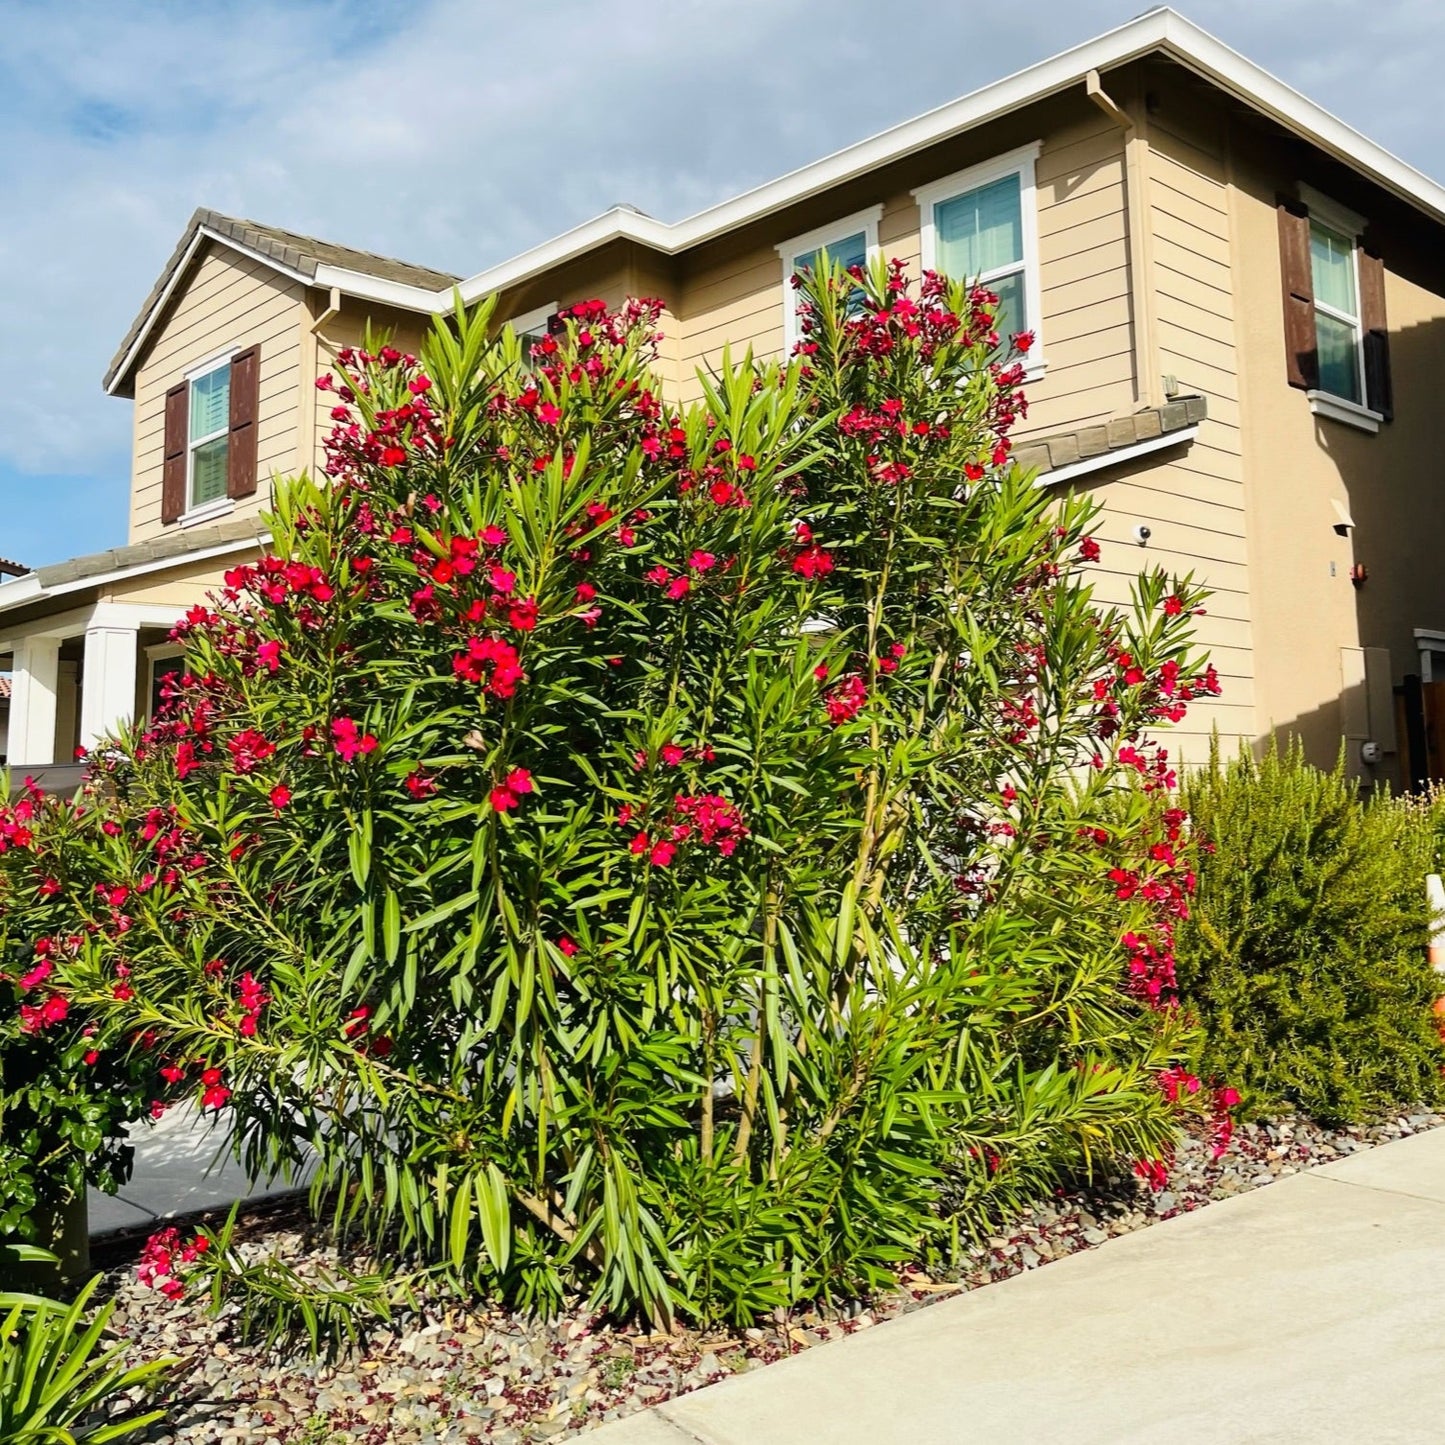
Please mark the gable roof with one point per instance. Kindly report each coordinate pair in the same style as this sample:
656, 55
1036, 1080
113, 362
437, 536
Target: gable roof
304, 258
1160, 31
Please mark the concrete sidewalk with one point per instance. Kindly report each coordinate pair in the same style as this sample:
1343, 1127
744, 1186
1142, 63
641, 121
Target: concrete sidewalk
1311, 1310
180, 1165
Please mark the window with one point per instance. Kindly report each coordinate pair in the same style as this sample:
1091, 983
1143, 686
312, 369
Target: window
208, 446
533, 327
1338, 335
981, 225
852, 241
1337, 338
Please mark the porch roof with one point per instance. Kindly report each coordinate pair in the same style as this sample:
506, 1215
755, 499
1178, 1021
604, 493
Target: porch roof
60, 579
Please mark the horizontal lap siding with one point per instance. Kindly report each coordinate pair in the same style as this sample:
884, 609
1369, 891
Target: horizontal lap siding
1193, 502
404, 330
227, 302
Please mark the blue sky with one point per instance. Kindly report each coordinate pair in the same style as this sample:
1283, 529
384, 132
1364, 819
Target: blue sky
456, 132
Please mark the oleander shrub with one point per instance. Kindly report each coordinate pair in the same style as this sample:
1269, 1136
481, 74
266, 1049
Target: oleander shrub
1304, 954
63, 1104
676, 854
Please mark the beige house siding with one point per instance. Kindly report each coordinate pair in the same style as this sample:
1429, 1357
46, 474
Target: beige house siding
404, 330
225, 301
732, 290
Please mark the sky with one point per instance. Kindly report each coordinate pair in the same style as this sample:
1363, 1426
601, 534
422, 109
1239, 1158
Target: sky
455, 133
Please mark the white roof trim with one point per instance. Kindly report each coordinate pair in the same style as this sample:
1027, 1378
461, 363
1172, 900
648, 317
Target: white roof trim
1115, 457
203, 234
1161, 30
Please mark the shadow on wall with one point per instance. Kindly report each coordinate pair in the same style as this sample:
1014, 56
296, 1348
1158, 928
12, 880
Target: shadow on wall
1392, 486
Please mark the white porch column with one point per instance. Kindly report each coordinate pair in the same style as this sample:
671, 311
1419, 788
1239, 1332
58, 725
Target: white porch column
107, 682
34, 681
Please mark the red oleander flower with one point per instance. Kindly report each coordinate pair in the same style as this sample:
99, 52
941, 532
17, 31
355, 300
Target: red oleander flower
248, 748
349, 741
280, 796
1088, 550
509, 793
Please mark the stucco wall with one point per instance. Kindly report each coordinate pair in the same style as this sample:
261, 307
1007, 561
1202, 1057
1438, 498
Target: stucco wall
1311, 621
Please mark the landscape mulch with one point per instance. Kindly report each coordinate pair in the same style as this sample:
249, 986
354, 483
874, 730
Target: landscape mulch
444, 1376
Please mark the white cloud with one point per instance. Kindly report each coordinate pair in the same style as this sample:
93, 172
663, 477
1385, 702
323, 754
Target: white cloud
455, 133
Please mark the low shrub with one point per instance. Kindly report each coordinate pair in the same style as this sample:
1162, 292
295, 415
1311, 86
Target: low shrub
1304, 955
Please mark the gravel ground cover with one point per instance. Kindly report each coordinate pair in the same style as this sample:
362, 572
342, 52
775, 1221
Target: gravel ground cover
445, 1376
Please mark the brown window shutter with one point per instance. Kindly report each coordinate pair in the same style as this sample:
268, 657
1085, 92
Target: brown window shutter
1379, 391
245, 401
1297, 277
173, 470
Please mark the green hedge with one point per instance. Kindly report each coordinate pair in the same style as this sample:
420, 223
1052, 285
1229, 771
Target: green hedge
1304, 956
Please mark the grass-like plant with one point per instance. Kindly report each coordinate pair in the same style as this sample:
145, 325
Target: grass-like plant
56, 1375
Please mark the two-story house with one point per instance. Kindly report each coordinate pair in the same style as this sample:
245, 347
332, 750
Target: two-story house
1240, 311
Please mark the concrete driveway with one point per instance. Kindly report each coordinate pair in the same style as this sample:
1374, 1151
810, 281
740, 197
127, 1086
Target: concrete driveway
1312, 1310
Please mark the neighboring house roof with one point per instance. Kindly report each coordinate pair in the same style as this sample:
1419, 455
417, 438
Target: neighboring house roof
303, 258
12, 569
1062, 455
5, 688
191, 544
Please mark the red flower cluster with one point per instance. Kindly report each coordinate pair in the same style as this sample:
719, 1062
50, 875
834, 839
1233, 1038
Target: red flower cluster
162, 1259
252, 999
349, 741
492, 663
845, 700
508, 794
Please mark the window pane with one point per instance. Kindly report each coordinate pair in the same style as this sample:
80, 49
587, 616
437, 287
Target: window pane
980, 230
1339, 357
846, 251
1012, 314
1332, 259
210, 402
208, 471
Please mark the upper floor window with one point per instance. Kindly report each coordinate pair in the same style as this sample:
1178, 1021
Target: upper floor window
210, 428
853, 241
1336, 337
982, 225
211, 424
534, 327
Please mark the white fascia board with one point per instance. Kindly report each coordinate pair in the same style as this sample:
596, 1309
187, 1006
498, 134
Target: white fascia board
203, 234
13, 595
618, 224
1162, 30
376, 288
1260, 90
20, 590
1116, 457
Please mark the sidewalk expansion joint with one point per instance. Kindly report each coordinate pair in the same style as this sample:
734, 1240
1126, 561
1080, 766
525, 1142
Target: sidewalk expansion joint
1372, 1188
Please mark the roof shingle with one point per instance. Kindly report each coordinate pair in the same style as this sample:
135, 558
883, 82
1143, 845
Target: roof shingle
295, 252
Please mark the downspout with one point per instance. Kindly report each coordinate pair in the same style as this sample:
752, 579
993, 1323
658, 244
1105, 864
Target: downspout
1141, 271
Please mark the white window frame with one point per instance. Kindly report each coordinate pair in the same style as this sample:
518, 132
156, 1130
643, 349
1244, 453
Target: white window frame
1348, 226
532, 323
194, 513
818, 239
1021, 163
